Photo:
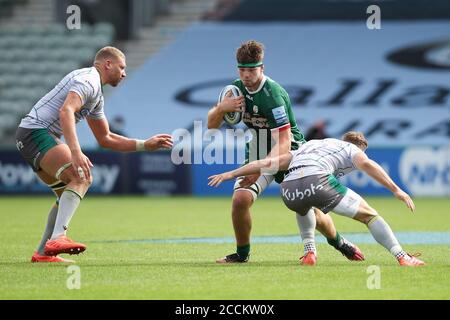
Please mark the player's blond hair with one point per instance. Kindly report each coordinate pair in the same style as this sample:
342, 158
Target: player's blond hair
108, 53
250, 52
357, 138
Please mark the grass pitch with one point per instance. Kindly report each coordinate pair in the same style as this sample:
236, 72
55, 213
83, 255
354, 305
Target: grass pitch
115, 269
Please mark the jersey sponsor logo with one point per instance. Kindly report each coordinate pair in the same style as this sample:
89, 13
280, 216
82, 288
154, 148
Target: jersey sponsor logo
331, 204
249, 97
255, 121
19, 145
301, 194
280, 115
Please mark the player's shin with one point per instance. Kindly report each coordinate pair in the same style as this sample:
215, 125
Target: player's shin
48, 228
383, 234
57, 188
68, 203
307, 226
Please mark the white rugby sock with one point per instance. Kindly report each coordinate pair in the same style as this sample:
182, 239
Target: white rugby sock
383, 234
48, 229
68, 203
307, 226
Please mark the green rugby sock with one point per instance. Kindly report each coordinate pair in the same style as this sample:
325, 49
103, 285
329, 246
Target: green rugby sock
243, 251
48, 228
336, 242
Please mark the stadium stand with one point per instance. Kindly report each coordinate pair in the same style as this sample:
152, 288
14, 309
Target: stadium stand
36, 57
38, 51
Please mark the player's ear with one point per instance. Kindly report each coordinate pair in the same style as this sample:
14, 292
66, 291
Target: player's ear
108, 64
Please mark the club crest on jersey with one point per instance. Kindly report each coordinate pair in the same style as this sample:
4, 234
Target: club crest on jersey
255, 109
19, 145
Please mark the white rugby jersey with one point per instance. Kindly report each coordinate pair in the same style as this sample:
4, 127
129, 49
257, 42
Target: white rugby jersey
327, 156
86, 83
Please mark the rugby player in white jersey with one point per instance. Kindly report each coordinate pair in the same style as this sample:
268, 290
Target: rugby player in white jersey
310, 181
63, 166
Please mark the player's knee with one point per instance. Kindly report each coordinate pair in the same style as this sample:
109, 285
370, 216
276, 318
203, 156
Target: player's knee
70, 177
86, 183
90, 180
365, 214
242, 201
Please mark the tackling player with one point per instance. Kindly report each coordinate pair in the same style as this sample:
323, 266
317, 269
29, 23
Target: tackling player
310, 181
63, 166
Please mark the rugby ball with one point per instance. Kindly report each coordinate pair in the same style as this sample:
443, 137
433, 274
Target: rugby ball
232, 118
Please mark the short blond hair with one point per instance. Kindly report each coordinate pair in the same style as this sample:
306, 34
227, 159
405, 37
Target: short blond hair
108, 53
357, 138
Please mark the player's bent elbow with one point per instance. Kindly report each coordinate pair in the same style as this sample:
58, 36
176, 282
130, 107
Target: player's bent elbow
105, 143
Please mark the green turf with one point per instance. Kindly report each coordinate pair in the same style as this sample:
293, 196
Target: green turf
187, 271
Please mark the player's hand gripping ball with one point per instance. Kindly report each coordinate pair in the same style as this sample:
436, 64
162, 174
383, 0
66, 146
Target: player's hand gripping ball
232, 118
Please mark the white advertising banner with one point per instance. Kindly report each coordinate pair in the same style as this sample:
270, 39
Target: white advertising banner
393, 84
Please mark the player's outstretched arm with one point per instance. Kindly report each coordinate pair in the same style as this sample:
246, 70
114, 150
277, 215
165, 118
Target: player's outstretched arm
374, 170
253, 167
116, 142
159, 141
282, 142
215, 115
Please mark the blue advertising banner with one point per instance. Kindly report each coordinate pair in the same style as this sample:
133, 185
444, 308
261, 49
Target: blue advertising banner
420, 171
16, 176
155, 174
114, 173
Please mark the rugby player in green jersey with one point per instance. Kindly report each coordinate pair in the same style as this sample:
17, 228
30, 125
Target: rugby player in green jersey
269, 116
